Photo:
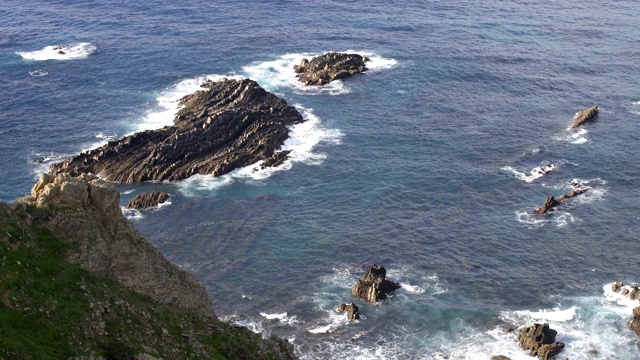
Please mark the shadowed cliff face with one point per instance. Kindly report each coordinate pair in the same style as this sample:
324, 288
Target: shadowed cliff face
230, 125
86, 212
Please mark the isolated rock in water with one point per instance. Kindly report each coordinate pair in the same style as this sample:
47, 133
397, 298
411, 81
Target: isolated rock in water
586, 115
540, 340
552, 202
86, 211
148, 200
374, 286
617, 286
328, 67
351, 309
233, 124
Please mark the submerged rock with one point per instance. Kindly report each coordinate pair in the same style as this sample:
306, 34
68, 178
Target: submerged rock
351, 309
586, 115
540, 340
232, 124
324, 69
552, 202
374, 286
148, 200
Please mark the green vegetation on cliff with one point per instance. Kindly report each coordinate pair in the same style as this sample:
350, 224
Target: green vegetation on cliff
51, 308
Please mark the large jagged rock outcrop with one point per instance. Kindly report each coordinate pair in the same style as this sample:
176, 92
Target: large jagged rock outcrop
324, 69
585, 115
374, 286
540, 340
148, 200
552, 202
232, 124
85, 211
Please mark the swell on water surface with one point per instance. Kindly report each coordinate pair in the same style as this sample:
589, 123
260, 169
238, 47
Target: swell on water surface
60, 52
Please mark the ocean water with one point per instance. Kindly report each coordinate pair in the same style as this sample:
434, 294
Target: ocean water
424, 164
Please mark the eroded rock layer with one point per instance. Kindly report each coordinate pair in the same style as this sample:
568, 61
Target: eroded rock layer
373, 285
324, 69
232, 124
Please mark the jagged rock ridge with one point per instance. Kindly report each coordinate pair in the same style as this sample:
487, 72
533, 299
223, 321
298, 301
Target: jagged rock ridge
148, 200
324, 69
373, 285
232, 124
586, 115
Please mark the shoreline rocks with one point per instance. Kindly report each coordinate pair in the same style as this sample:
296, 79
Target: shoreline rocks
351, 309
148, 200
586, 115
540, 340
326, 68
633, 293
232, 124
373, 286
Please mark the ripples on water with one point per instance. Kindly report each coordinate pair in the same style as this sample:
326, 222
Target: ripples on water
418, 164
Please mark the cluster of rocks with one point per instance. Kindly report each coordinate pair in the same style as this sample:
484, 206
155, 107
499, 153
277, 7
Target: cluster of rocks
373, 286
540, 341
633, 293
551, 202
324, 69
232, 124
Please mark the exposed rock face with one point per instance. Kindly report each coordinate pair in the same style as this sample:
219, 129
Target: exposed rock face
232, 124
552, 202
540, 340
324, 69
85, 211
635, 320
374, 286
148, 200
351, 309
586, 115
617, 286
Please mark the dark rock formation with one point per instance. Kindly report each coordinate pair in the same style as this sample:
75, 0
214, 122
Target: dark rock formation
586, 115
635, 320
230, 125
86, 212
374, 286
540, 340
500, 357
351, 309
276, 159
148, 200
328, 67
552, 202
617, 286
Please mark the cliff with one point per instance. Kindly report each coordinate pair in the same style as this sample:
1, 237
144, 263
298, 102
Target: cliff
78, 281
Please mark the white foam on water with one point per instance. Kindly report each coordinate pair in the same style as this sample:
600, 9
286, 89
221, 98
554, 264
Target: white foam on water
60, 52
535, 173
303, 138
575, 136
283, 318
127, 192
38, 73
556, 218
548, 315
131, 214
626, 305
331, 323
635, 102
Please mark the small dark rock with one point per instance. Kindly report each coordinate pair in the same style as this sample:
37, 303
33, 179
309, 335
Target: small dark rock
500, 357
351, 309
374, 286
586, 115
552, 202
616, 286
539, 339
324, 69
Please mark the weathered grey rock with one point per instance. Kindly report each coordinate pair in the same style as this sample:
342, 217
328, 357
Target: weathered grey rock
85, 211
586, 115
374, 286
232, 124
324, 69
540, 340
351, 309
552, 202
148, 200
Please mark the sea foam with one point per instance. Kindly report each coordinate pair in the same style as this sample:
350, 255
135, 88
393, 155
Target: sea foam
60, 52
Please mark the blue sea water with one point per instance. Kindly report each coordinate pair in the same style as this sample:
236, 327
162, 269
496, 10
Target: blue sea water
422, 164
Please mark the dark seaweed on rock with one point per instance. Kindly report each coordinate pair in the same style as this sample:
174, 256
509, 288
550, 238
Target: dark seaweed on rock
232, 124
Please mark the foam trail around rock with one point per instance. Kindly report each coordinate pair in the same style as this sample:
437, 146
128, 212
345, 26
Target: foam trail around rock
60, 52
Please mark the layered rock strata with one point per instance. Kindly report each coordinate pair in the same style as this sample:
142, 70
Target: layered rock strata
540, 340
148, 200
232, 124
374, 286
85, 211
586, 115
326, 68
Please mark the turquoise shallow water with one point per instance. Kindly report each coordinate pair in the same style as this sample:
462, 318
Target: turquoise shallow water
419, 164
